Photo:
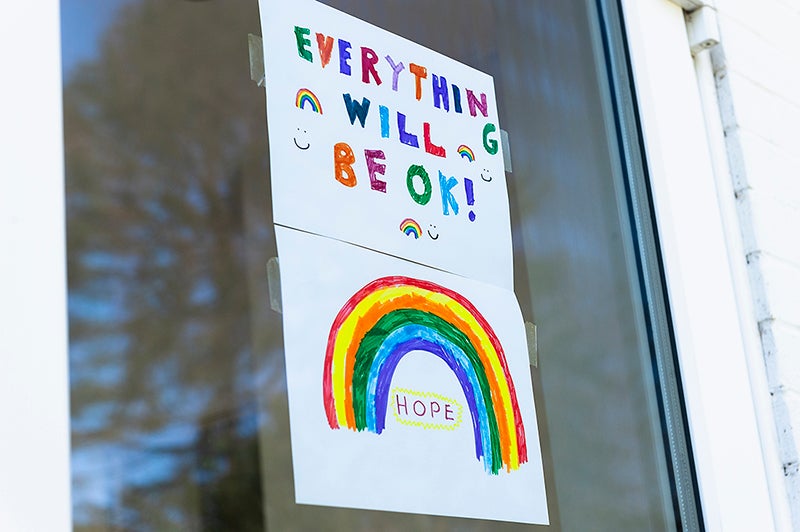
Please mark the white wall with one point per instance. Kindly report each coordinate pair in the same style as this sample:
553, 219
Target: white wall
757, 72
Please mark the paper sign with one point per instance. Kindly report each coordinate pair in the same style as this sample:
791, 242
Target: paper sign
409, 387
378, 141
406, 358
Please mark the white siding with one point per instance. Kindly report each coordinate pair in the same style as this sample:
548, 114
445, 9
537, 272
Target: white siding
741, 481
757, 69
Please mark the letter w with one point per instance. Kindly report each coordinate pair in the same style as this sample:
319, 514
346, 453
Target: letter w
355, 109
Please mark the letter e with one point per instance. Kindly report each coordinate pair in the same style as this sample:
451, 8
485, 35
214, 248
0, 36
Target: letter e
302, 42
374, 168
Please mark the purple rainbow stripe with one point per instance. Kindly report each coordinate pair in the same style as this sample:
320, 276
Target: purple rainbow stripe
422, 338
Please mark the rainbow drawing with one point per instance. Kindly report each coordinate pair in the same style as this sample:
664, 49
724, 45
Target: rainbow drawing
393, 316
466, 152
305, 96
410, 227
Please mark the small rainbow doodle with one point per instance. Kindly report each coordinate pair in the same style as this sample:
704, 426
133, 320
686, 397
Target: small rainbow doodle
393, 316
466, 152
305, 96
410, 227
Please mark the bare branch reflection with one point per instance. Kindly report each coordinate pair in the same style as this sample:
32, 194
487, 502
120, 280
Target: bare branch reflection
163, 130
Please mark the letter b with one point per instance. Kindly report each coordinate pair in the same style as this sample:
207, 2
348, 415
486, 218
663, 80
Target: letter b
343, 159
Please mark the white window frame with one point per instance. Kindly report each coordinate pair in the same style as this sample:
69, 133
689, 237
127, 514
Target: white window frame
34, 385
727, 399
736, 464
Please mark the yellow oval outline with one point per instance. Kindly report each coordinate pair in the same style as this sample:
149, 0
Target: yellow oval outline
423, 424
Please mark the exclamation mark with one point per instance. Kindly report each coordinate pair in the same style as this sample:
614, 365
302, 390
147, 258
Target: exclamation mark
470, 197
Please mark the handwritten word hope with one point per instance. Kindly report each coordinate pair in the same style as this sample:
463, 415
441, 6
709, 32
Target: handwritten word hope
425, 409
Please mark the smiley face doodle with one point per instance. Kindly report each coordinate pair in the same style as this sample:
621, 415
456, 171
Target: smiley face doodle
431, 230
486, 176
301, 140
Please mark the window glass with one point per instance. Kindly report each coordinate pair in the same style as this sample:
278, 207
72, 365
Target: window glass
178, 389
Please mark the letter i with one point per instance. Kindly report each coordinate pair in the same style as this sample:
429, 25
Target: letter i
456, 99
384, 111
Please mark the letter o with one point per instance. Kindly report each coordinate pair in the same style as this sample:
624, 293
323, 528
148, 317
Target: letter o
414, 407
417, 170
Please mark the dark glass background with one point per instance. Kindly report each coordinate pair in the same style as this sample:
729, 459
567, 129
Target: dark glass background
178, 392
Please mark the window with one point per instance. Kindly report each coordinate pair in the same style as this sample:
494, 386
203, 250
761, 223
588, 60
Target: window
178, 393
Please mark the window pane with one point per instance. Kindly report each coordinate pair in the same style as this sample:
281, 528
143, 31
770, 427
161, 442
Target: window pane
179, 412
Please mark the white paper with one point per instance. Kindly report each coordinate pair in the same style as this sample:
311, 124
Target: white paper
306, 193
424, 460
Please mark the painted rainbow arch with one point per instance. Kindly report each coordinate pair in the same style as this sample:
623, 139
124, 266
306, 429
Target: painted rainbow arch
466, 152
306, 97
392, 316
409, 226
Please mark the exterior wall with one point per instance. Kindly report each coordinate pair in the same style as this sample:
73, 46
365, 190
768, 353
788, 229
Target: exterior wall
757, 73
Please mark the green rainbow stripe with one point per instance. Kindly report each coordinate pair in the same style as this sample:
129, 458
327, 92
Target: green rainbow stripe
393, 316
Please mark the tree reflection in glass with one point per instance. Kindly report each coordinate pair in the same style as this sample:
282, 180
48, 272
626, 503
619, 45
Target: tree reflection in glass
168, 235
178, 399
